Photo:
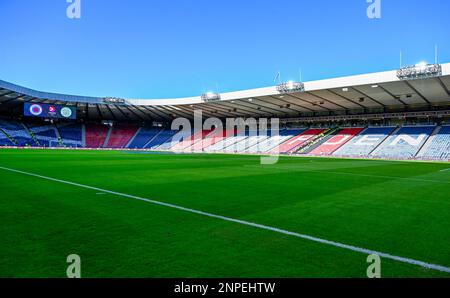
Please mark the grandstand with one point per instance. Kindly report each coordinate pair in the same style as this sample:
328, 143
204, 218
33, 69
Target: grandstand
377, 115
403, 142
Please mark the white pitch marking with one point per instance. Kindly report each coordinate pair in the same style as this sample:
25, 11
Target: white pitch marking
445, 170
251, 224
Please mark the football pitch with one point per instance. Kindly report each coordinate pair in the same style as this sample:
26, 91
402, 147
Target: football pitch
196, 215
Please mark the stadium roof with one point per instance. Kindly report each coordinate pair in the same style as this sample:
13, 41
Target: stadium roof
368, 93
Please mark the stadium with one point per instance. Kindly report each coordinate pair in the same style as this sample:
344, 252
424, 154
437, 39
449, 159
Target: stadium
402, 114
360, 168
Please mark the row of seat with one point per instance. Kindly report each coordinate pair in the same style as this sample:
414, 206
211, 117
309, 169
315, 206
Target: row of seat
427, 142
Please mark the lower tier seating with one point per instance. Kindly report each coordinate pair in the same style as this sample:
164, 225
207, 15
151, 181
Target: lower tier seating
96, 135
18, 133
336, 141
405, 143
274, 140
421, 142
365, 142
46, 135
439, 146
121, 135
143, 137
294, 143
71, 134
163, 141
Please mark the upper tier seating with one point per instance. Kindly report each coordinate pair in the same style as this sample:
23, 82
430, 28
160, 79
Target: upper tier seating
96, 135
71, 134
18, 132
46, 135
439, 146
294, 143
336, 141
143, 137
121, 135
365, 142
405, 143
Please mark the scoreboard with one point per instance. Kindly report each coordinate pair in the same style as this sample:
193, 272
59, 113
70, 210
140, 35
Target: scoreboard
43, 110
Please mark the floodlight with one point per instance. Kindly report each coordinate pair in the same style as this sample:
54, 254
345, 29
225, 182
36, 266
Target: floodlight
210, 96
419, 71
290, 87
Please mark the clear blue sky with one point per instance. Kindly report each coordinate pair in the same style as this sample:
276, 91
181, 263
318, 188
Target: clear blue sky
177, 48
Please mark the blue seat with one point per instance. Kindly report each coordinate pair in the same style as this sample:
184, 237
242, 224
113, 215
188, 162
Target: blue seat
18, 132
71, 135
405, 143
143, 137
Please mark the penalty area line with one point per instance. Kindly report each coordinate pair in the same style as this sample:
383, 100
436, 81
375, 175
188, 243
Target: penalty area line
247, 223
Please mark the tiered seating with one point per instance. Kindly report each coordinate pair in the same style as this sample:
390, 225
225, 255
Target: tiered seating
425, 142
273, 141
71, 134
143, 137
121, 135
96, 135
405, 143
163, 141
189, 141
4, 140
336, 141
227, 144
439, 147
294, 143
18, 132
245, 143
46, 135
365, 142
212, 138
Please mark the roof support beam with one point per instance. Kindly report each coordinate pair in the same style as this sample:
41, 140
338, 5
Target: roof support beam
309, 102
278, 106
329, 101
221, 107
292, 104
443, 86
418, 93
393, 96
369, 97
347, 99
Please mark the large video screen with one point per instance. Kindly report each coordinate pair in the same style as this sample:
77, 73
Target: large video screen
49, 111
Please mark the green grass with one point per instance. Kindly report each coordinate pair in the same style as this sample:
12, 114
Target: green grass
401, 208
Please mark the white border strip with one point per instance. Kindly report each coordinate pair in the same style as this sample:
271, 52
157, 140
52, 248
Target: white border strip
247, 223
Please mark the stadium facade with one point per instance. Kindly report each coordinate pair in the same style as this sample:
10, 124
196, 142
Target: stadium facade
402, 114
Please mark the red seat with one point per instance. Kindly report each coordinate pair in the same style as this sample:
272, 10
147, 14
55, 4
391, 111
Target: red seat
337, 141
121, 136
292, 144
96, 135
